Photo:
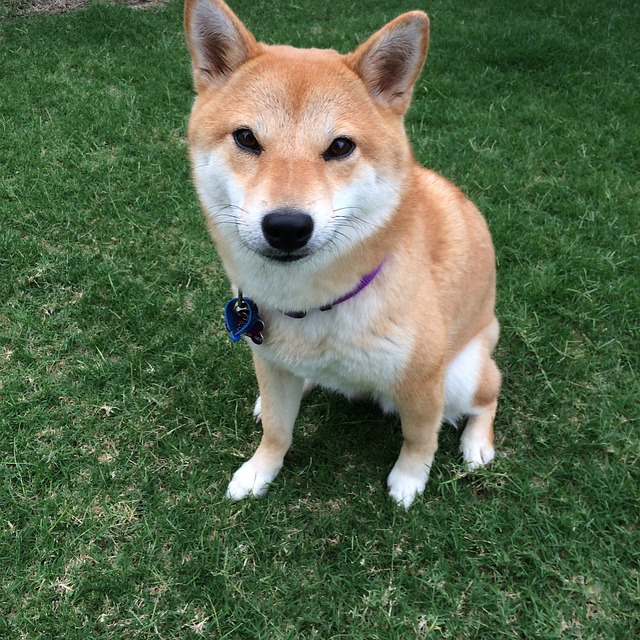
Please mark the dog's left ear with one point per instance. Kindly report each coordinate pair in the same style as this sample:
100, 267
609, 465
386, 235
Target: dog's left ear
390, 61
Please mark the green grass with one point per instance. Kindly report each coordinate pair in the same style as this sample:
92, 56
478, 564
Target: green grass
124, 408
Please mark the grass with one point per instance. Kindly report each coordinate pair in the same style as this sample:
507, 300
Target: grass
124, 408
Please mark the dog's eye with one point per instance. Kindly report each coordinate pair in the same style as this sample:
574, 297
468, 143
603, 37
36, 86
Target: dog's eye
338, 149
247, 141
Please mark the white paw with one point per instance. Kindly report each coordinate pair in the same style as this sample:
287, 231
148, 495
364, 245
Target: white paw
257, 409
476, 452
251, 479
406, 485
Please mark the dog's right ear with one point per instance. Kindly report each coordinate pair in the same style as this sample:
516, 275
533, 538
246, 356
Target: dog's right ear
218, 41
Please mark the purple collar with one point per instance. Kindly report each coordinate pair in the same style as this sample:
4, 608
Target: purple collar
366, 280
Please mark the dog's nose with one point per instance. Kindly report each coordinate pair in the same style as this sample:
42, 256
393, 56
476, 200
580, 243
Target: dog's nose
287, 229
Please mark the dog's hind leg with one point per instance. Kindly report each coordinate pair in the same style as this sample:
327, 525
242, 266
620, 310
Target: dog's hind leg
476, 442
281, 393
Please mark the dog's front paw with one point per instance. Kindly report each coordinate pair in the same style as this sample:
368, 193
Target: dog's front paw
251, 479
405, 485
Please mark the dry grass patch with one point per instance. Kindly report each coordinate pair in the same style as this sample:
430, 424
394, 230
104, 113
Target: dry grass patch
19, 8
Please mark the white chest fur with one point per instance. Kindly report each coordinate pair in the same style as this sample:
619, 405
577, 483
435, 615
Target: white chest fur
346, 348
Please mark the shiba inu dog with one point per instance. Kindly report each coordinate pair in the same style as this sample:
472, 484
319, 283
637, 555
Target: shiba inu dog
358, 269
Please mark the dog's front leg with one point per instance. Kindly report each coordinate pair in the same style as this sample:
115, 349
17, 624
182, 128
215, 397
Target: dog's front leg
421, 417
280, 393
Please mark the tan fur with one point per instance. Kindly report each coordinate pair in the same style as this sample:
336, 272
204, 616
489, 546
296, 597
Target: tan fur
427, 320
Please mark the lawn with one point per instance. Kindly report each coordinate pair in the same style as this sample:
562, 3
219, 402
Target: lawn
124, 408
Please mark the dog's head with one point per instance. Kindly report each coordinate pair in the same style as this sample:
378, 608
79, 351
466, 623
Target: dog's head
298, 154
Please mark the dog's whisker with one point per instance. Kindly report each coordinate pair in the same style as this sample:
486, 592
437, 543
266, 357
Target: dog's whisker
394, 189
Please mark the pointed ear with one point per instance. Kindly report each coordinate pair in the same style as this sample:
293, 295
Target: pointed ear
218, 41
390, 61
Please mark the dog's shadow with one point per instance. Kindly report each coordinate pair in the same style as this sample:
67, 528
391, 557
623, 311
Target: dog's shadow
342, 443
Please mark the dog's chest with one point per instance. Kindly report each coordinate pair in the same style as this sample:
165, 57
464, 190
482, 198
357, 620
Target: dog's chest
354, 353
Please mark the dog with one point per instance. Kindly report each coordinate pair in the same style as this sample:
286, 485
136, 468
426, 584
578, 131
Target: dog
354, 268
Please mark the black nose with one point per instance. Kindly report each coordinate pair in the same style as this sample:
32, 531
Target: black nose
287, 229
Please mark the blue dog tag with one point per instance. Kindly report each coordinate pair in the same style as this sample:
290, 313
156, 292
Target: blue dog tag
242, 318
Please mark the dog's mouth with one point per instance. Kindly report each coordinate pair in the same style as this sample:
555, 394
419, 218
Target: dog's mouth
278, 256
284, 258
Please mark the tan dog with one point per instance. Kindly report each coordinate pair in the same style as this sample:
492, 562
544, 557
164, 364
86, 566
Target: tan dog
318, 209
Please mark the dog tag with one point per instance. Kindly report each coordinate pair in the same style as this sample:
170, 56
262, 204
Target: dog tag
242, 318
